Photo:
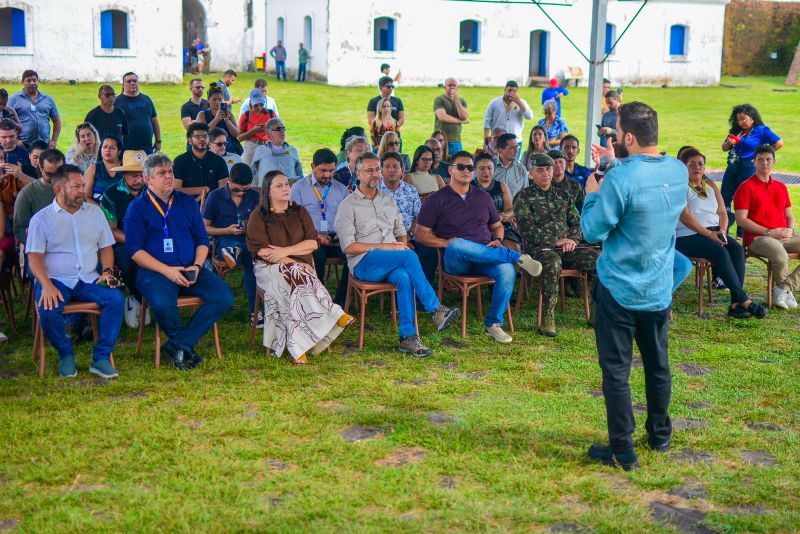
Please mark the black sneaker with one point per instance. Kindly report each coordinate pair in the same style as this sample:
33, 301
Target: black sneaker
178, 357
604, 455
193, 359
659, 446
738, 312
757, 310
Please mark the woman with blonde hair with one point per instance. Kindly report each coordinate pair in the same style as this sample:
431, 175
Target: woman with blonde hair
383, 122
85, 146
391, 142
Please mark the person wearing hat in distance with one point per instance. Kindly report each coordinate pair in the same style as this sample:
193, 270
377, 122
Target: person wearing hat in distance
462, 219
114, 202
253, 125
507, 112
276, 154
551, 228
554, 92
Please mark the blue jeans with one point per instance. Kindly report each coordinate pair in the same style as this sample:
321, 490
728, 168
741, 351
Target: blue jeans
110, 301
301, 72
681, 268
463, 257
401, 268
245, 260
162, 295
453, 147
280, 67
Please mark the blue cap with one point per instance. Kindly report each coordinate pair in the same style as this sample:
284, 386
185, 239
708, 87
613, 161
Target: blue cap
257, 97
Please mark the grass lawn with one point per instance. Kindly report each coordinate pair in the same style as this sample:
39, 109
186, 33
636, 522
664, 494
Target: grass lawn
480, 437
316, 115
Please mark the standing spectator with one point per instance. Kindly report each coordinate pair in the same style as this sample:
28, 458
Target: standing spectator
451, 113
218, 140
141, 114
165, 236
276, 154
439, 166
278, 53
374, 110
225, 215
219, 115
302, 61
764, 212
508, 170
555, 127
85, 147
571, 148
107, 119
35, 111
270, 104
38, 194
507, 112
64, 241
747, 132
8, 113
321, 195
347, 174
420, 174
537, 144
253, 125
196, 103
114, 202
385, 69
198, 170
228, 79
554, 92
204, 58
608, 125
101, 175
633, 212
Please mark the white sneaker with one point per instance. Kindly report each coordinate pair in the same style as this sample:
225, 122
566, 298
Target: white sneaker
260, 321
132, 311
790, 300
3, 338
529, 265
780, 297
497, 333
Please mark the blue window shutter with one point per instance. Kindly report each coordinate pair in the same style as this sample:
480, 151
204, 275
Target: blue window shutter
390, 35
476, 33
543, 54
17, 27
609, 37
677, 40
106, 30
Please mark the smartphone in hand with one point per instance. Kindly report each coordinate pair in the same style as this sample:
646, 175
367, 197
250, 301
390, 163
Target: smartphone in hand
189, 274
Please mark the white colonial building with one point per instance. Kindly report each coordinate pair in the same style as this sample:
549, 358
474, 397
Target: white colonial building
673, 42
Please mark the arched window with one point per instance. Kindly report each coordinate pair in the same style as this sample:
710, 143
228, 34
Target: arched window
12, 27
281, 25
307, 32
678, 37
469, 37
113, 29
611, 36
384, 34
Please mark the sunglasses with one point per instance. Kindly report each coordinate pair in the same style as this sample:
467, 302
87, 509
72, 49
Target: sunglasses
393, 143
463, 166
221, 143
279, 129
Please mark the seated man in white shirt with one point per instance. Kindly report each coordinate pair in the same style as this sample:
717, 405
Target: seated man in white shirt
64, 239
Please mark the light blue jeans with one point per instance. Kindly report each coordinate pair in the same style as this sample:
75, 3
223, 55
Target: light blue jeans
463, 257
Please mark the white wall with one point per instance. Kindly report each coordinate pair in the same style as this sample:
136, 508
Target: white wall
233, 44
293, 13
63, 41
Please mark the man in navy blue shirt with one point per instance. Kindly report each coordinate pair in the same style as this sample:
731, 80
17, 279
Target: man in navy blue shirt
571, 147
165, 236
225, 215
15, 157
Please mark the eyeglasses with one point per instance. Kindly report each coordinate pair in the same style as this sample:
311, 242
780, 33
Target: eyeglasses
279, 129
220, 144
696, 165
239, 189
426, 160
388, 86
375, 170
200, 137
463, 166
108, 95
393, 143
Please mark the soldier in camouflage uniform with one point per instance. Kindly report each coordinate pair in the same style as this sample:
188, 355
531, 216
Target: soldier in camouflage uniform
561, 181
551, 230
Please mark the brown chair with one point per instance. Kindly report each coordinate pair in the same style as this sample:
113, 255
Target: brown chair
184, 301
219, 266
522, 293
89, 308
766, 261
702, 270
333, 264
257, 306
464, 285
364, 290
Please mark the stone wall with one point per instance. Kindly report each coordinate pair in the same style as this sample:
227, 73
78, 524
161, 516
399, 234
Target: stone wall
754, 30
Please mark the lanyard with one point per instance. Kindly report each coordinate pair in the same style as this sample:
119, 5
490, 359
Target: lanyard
161, 210
322, 197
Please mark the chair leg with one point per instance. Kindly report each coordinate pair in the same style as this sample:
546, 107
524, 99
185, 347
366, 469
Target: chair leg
42, 347
464, 304
562, 294
699, 285
140, 337
478, 298
347, 297
510, 319
216, 342
158, 346
362, 313
257, 306
393, 297
36, 333
586, 306
769, 284
520, 292
539, 312
708, 280
95, 331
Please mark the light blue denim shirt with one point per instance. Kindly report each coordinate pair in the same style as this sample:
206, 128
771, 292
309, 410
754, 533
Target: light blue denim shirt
634, 215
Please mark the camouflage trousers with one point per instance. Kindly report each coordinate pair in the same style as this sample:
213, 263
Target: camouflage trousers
582, 259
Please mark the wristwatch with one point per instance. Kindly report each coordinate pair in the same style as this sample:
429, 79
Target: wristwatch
766, 233
199, 268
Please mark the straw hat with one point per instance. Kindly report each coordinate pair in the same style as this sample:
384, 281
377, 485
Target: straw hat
132, 161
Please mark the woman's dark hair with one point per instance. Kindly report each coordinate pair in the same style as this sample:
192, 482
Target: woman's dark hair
356, 131
680, 151
422, 149
213, 90
531, 149
241, 174
265, 205
747, 109
445, 153
3, 93
482, 156
116, 140
689, 153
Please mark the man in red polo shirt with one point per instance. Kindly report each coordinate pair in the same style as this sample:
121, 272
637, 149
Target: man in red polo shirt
764, 211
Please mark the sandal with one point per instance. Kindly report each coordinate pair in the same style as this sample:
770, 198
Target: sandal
738, 312
300, 360
757, 310
345, 321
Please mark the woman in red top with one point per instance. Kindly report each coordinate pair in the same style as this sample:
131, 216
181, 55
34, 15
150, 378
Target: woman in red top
253, 125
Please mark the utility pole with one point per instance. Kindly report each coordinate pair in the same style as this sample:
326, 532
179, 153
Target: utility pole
596, 55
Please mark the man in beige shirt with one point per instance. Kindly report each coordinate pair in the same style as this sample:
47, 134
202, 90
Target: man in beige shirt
372, 234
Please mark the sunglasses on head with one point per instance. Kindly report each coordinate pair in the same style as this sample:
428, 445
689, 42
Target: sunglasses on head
463, 166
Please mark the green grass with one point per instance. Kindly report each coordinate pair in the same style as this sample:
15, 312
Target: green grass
252, 443
316, 115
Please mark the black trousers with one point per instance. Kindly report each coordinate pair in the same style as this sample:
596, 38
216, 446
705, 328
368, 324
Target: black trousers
615, 329
728, 261
320, 257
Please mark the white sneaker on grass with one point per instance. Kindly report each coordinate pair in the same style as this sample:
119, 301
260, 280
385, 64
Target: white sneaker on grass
497, 333
790, 300
780, 297
132, 311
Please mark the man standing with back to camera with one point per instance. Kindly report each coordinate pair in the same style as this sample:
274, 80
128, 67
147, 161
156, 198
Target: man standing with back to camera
633, 212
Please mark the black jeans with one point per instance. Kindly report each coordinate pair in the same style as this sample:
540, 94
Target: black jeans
728, 261
320, 257
615, 330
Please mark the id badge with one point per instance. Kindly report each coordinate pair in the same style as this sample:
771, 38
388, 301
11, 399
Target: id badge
323, 227
33, 107
168, 246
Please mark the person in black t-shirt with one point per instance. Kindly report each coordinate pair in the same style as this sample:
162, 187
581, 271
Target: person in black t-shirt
108, 120
194, 105
143, 125
199, 170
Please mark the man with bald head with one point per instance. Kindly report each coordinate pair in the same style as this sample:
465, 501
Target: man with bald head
451, 112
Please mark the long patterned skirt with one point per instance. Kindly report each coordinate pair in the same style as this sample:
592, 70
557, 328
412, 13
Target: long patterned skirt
299, 314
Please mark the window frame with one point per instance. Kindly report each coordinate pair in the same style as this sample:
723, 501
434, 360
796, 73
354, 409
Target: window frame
476, 35
308, 37
611, 36
114, 35
26, 50
668, 49
375, 37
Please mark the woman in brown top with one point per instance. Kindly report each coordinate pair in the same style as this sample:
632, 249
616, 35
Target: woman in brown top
299, 314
